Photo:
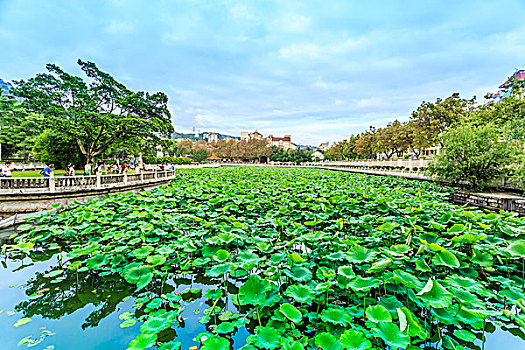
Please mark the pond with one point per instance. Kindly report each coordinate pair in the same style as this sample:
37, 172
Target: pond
251, 259
85, 315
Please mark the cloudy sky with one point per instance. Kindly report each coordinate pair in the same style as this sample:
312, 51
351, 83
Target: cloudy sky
319, 70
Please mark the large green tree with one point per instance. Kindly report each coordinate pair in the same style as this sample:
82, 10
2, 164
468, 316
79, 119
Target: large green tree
18, 129
473, 156
97, 113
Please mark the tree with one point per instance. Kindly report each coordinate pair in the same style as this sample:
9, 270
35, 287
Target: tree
97, 114
200, 155
434, 118
57, 148
18, 128
473, 156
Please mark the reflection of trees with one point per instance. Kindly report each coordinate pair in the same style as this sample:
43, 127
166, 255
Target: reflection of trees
67, 296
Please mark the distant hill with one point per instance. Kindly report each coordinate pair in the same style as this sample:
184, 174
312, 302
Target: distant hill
5, 87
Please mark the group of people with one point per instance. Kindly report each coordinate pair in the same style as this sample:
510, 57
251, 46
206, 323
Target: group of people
7, 170
104, 169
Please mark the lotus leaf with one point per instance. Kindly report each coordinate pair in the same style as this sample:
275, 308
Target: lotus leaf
266, 338
253, 291
224, 328
300, 293
378, 313
155, 324
433, 294
143, 251
141, 276
291, 312
363, 284
355, 340
391, 335
336, 316
326, 341
359, 254
446, 258
97, 262
216, 343
143, 341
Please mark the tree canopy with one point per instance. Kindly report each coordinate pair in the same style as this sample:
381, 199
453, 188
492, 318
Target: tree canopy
95, 114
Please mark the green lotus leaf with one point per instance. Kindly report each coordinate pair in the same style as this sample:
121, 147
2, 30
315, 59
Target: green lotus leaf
226, 237
337, 256
469, 238
296, 258
143, 252
433, 294
53, 273
143, 341
378, 313
300, 293
291, 344
516, 249
391, 335
221, 255
408, 322
355, 340
464, 335
326, 341
359, 254
336, 316
291, 312
407, 279
446, 258
266, 337
141, 276
481, 258
253, 291
24, 246
218, 270
97, 262
128, 323
172, 345
155, 324
214, 294
456, 228
363, 284
225, 328
344, 275
216, 343
379, 266
299, 274
422, 265
387, 226
156, 260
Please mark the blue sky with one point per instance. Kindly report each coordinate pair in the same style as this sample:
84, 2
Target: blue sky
319, 70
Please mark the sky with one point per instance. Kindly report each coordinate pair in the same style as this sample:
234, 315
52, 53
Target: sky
318, 70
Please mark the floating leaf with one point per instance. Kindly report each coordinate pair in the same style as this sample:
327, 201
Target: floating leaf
22, 321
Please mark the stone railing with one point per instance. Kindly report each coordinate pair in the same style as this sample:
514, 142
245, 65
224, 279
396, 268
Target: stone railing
94, 182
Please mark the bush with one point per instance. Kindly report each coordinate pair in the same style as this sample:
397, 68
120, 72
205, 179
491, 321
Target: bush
473, 156
167, 159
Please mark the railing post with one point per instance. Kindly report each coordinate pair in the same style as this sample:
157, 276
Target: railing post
125, 178
99, 180
141, 176
155, 174
52, 182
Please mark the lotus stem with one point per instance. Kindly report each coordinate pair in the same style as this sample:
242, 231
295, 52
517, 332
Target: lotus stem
258, 316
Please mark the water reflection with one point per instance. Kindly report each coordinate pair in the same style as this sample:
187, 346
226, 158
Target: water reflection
81, 309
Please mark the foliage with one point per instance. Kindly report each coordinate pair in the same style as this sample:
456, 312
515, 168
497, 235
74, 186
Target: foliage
95, 114
18, 128
473, 156
308, 257
167, 159
295, 156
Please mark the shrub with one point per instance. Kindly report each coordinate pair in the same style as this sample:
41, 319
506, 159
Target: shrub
473, 156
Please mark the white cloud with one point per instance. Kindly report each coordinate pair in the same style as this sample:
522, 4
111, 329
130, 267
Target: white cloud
120, 28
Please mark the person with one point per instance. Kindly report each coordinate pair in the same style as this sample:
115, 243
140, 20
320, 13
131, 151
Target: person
47, 170
123, 168
88, 168
71, 169
7, 169
67, 170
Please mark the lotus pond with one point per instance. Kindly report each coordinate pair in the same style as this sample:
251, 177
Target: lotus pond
267, 259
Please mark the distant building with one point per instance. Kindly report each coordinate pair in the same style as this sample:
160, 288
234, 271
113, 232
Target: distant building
504, 89
211, 137
245, 136
318, 156
281, 142
325, 146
